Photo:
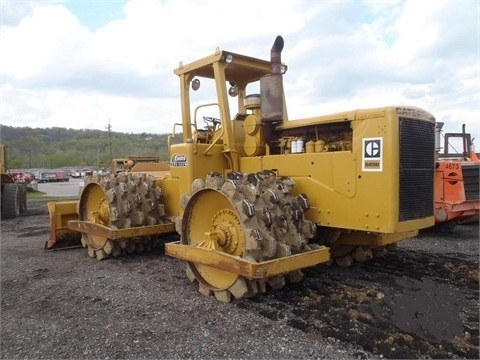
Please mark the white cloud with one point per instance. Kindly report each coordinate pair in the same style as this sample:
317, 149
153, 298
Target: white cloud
342, 55
50, 33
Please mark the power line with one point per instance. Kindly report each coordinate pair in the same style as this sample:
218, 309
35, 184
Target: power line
109, 128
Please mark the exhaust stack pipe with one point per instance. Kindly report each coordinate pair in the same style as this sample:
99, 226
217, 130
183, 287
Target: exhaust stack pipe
438, 130
271, 86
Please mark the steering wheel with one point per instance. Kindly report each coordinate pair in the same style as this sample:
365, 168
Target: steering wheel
213, 120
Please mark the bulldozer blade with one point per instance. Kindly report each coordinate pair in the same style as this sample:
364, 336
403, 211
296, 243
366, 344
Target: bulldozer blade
60, 235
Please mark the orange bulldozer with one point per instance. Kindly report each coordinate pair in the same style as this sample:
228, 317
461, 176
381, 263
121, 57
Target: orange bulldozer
457, 198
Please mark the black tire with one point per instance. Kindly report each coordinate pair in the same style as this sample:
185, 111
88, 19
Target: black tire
10, 201
22, 190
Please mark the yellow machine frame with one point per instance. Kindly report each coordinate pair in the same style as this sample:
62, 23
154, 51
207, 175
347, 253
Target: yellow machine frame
368, 173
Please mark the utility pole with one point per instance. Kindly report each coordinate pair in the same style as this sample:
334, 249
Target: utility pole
109, 128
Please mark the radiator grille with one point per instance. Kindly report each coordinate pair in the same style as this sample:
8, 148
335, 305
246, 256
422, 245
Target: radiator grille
417, 144
470, 181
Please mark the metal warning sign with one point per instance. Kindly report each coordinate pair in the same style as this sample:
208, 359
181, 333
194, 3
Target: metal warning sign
372, 154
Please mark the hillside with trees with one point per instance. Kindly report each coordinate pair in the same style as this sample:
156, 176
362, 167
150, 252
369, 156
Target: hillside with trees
56, 147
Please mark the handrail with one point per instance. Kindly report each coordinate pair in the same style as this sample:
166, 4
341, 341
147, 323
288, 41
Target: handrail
202, 106
172, 135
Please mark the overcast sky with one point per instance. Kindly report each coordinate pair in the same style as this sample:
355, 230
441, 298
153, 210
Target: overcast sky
82, 63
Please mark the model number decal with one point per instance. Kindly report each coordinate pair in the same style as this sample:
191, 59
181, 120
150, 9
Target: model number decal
372, 154
452, 166
178, 160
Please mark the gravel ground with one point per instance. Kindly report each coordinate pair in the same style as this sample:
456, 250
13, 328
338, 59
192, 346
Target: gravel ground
420, 301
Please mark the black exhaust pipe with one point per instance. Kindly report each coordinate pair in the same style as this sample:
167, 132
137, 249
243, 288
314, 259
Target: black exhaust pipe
271, 86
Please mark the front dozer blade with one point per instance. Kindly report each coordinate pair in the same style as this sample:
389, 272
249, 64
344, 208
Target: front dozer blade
60, 235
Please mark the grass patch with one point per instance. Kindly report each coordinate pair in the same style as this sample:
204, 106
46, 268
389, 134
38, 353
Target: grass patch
33, 195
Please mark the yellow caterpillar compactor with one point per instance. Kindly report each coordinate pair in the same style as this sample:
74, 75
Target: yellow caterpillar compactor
253, 197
